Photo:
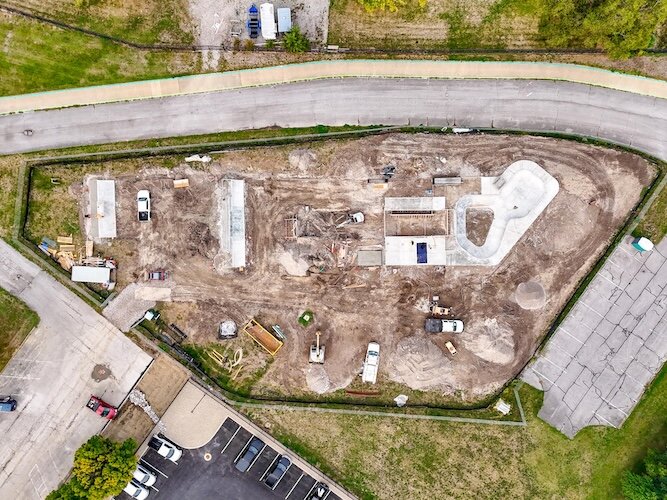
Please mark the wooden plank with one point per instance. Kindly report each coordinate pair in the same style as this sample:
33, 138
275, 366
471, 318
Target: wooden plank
181, 183
65, 239
89, 248
67, 248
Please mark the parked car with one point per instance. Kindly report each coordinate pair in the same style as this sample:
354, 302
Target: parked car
102, 408
248, 455
165, 448
435, 325
318, 492
158, 275
144, 205
143, 476
278, 471
7, 403
136, 490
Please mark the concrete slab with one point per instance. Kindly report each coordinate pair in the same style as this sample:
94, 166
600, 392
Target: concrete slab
620, 323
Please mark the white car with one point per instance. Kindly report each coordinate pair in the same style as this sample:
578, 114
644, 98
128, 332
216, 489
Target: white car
135, 490
165, 448
436, 325
144, 205
143, 476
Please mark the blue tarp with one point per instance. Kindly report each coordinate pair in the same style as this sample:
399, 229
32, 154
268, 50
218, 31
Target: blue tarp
421, 253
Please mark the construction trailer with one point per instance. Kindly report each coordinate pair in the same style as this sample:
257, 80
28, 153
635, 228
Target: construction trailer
284, 19
371, 363
262, 337
267, 18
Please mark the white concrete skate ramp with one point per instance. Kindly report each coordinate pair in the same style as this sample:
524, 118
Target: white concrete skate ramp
491, 340
420, 364
517, 198
530, 295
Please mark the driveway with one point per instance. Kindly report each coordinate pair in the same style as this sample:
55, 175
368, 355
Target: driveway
596, 365
532, 105
73, 353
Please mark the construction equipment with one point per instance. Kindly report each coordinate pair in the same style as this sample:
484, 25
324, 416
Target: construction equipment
316, 351
450, 347
436, 309
355, 218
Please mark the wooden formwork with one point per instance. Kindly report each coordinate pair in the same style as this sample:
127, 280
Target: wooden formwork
259, 334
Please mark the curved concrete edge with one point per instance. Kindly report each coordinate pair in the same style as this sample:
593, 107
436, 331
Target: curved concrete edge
276, 75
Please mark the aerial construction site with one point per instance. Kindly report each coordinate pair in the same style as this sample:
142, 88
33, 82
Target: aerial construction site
298, 269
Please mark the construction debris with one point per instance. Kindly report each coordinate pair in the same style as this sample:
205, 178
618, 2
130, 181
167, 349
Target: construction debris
181, 183
262, 337
65, 239
138, 398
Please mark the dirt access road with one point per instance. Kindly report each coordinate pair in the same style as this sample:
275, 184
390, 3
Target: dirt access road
598, 187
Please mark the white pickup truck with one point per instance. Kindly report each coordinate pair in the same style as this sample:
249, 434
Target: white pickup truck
371, 363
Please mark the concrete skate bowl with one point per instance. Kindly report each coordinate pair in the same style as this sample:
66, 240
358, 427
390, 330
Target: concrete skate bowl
516, 198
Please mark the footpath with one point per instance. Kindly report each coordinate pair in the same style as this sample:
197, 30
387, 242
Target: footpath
317, 70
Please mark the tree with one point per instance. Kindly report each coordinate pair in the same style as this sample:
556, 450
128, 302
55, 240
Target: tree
295, 41
652, 485
101, 469
621, 27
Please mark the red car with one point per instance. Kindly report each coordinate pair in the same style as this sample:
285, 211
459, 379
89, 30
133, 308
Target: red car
101, 408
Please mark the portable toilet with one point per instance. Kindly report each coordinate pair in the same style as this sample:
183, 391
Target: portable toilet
284, 19
267, 19
642, 244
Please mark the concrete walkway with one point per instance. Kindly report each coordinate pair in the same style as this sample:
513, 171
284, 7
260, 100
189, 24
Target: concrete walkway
214, 82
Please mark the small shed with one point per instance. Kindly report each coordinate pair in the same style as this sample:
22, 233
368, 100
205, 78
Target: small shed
90, 274
284, 19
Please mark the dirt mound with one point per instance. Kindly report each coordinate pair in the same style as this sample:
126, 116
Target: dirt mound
491, 340
302, 159
420, 364
530, 295
317, 379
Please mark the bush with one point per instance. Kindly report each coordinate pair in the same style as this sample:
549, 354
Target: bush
102, 468
652, 484
295, 41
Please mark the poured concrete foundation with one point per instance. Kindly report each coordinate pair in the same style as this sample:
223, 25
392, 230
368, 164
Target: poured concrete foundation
517, 198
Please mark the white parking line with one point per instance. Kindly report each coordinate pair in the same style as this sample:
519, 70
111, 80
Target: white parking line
146, 462
256, 457
327, 495
281, 477
297, 482
310, 490
264, 474
230, 439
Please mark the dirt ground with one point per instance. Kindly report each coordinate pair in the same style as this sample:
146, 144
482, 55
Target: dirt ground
216, 21
161, 384
285, 276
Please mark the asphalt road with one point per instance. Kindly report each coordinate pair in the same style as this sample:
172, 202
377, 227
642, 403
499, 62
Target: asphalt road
50, 376
532, 105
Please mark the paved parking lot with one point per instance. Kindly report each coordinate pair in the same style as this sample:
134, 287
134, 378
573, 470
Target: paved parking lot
597, 364
209, 471
73, 353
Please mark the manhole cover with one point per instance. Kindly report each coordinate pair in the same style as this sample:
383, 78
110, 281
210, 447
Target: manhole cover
100, 372
208, 456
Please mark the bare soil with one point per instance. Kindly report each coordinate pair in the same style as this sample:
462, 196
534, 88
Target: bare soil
352, 305
161, 384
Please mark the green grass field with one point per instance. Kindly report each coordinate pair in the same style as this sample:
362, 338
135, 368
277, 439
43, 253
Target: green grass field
17, 321
654, 224
35, 57
387, 458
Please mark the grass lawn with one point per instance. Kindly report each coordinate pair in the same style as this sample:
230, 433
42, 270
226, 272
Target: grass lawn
654, 224
17, 322
35, 57
385, 458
